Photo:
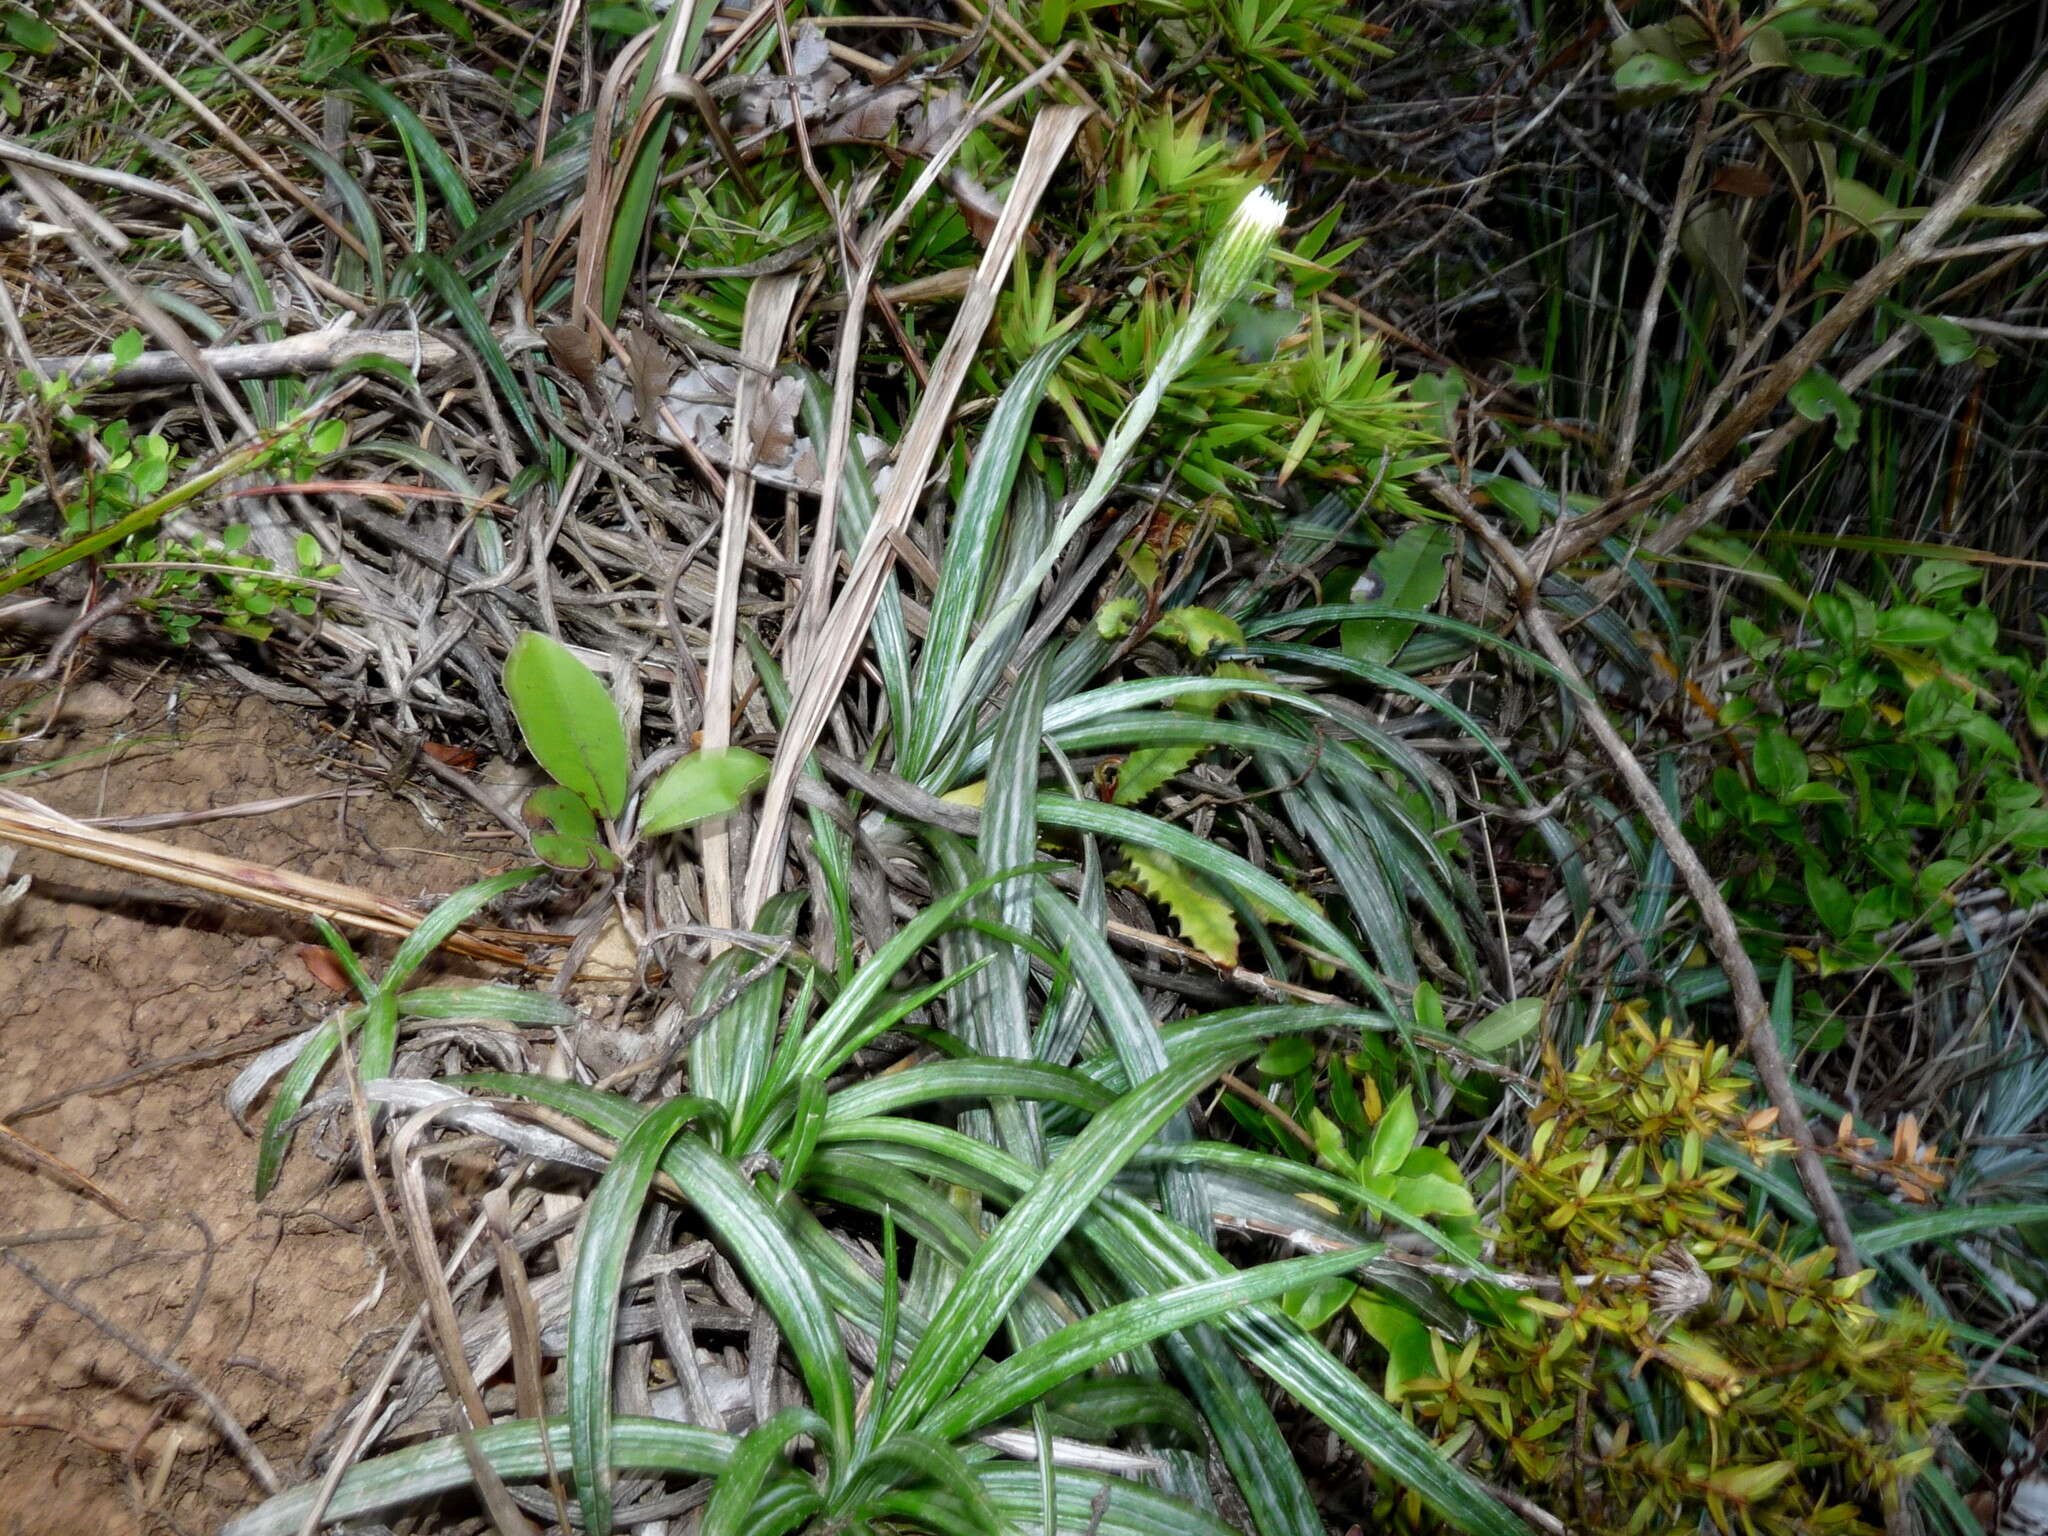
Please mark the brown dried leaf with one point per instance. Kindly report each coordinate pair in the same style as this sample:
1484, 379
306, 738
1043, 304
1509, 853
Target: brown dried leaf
650, 365
875, 118
1743, 181
321, 965
980, 206
464, 758
573, 351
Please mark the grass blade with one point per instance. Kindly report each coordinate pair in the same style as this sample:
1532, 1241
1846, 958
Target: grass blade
608, 1225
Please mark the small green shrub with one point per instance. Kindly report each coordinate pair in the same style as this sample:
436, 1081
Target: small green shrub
1876, 779
1674, 1363
112, 487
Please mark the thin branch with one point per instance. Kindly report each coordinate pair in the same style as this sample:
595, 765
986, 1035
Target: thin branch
294, 357
1724, 937
2012, 133
224, 1419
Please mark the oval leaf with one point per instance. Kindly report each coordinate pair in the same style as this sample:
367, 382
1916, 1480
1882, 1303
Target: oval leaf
703, 785
569, 722
1504, 1026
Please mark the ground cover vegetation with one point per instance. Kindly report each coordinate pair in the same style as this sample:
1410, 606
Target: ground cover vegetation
1299, 748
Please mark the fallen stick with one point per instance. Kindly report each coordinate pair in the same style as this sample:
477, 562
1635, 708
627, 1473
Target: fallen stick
294, 357
1724, 937
34, 825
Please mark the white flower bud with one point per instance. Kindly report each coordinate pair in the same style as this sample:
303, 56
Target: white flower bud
1234, 258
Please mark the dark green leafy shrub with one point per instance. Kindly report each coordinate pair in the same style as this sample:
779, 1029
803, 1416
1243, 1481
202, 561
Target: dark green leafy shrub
1876, 778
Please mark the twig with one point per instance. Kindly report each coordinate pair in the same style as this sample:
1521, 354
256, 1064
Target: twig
42, 1159
769, 302
1653, 301
234, 141
27, 821
224, 1420
1723, 936
294, 357
2007, 138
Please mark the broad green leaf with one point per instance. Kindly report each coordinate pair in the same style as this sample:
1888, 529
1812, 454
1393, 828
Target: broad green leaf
1910, 624
1411, 573
1394, 1137
704, 784
1825, 65
1652, 74
1779, 761
1865, 205
1818, 396
574, 843
27, 30
1492, 1035
569, 721
1403, 1336
1952, 342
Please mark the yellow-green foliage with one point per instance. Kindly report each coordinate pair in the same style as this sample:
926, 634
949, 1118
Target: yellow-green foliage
1679, 1359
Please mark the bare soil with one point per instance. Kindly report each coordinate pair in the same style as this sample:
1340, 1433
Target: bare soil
102, 977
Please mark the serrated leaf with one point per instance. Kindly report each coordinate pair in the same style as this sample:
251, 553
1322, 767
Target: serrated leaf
1146, 769
1199, 630
703, 785
1205, 919
568, 720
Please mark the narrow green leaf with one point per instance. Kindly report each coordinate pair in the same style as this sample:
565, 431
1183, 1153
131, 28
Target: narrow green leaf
422, 144
964, 1323
1077, 1349
607, 1232
1504, 1026
972, 547
1935, 1225
450, 289
732, 1511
